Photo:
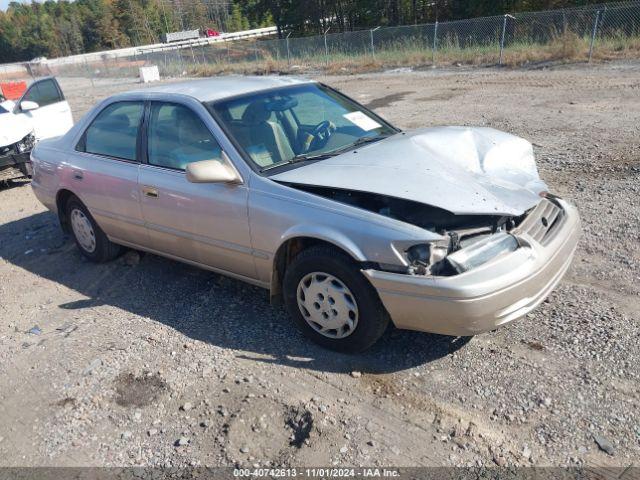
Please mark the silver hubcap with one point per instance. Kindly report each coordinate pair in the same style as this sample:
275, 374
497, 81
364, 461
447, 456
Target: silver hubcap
83, 230
327, 305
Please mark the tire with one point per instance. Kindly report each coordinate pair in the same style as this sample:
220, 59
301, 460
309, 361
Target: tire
102, 249
325, 271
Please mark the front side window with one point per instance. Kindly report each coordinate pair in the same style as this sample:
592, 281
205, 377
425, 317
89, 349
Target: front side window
281, 126
44, 92
114, 132
178, 137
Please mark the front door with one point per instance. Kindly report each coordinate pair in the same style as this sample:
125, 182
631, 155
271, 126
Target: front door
53, 115
206, 223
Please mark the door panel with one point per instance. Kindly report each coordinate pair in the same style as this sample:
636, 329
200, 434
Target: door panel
53, 117
109, 189
50, 121
204, 223
104, 170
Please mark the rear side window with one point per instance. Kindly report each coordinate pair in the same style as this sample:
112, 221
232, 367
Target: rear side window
114, 132
44, 92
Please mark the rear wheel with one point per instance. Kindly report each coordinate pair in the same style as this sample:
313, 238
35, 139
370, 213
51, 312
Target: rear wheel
331, 301
89, 237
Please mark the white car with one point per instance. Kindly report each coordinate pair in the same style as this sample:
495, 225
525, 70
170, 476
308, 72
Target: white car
41, 112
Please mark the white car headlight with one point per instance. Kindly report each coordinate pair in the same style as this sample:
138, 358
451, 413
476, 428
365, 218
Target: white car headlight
26, 144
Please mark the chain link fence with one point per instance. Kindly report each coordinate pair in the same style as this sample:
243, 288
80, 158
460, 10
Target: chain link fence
607, 31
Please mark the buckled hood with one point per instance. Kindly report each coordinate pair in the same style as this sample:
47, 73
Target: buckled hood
472, 171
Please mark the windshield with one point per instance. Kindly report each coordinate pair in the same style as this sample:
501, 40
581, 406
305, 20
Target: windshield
298, 123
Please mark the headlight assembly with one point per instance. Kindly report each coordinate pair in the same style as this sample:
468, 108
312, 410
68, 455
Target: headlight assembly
424, 255
26, 144
482, 251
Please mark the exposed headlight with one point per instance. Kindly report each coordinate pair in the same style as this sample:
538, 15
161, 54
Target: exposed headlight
483, 251
26, 144
424, 255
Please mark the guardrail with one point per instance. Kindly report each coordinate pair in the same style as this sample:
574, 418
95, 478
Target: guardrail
225, 37
85, 58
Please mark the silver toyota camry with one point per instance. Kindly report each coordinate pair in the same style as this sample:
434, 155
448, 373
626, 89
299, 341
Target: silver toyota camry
290, 185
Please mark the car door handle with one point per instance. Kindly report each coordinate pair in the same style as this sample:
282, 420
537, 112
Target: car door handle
77, 174
151, 192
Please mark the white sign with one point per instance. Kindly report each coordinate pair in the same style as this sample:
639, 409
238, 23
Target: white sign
359, 119
149, 74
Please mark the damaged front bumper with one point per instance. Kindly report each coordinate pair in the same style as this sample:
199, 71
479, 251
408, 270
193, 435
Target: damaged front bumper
14, 165
494, 293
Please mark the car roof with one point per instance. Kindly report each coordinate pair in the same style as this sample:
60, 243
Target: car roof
218, 88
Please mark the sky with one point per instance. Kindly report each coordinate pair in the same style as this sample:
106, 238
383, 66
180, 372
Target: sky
4, 4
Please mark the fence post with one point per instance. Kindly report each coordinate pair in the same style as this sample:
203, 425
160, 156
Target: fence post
326, 48
593, 35
288, 51
86, 66
373, 49
435, 42
504, 31
183, 70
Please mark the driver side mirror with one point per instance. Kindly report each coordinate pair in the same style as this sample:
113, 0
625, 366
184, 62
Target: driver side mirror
213, 171
27, 105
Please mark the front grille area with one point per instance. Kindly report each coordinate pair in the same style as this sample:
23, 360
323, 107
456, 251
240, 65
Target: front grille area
542, 222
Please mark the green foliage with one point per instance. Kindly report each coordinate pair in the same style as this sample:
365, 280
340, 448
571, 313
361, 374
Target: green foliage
315, 16
238, 21
59, 28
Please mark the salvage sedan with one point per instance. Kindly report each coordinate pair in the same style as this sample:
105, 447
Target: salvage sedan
292, 186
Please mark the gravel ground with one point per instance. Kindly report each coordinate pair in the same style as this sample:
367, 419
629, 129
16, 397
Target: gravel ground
145, 361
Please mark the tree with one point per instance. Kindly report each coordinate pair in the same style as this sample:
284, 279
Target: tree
64, 27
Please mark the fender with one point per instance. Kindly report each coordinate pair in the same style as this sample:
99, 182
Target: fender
327, 234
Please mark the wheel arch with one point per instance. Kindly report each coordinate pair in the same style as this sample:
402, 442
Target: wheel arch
292, 245
62, 197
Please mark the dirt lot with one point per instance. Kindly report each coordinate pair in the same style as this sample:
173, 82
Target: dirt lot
158, 363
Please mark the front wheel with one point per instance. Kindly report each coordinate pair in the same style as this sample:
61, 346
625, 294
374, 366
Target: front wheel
332, 302
89, 237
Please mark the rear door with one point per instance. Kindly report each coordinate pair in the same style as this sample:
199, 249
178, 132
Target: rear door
205, 223
53, 115
103, 171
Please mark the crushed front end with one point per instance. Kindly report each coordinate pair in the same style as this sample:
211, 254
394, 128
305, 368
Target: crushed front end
478, 277
14, 158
